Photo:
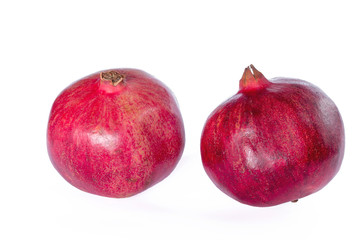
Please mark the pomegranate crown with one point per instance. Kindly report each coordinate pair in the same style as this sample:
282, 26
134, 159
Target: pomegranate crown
113, 76
252, 80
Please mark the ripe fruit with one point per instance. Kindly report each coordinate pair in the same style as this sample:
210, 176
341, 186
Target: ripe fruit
273, 142
115, 133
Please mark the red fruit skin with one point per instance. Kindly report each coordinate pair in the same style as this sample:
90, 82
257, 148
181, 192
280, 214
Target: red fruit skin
115, 141
273, 145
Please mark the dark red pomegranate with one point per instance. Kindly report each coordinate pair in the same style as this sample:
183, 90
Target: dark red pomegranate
273, 142
115, 133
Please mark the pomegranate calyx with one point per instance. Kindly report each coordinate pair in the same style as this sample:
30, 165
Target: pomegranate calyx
113, 76
252, 80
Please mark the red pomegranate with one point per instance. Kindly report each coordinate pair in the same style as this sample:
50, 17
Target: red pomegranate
115, 133
273, 142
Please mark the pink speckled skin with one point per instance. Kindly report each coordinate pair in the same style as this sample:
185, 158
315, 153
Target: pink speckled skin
273, 142
115, 141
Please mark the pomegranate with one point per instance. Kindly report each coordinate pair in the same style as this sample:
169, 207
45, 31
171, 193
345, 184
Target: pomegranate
273, 142
115, 133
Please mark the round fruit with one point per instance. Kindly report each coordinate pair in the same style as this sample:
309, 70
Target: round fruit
115, 133
273, 142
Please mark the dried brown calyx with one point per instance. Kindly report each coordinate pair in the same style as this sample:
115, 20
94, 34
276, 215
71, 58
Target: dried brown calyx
113, 76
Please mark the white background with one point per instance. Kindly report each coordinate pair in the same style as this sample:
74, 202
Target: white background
199, 50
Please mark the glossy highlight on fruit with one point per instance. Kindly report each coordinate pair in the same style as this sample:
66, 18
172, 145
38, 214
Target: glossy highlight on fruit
273, 142
115, 133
